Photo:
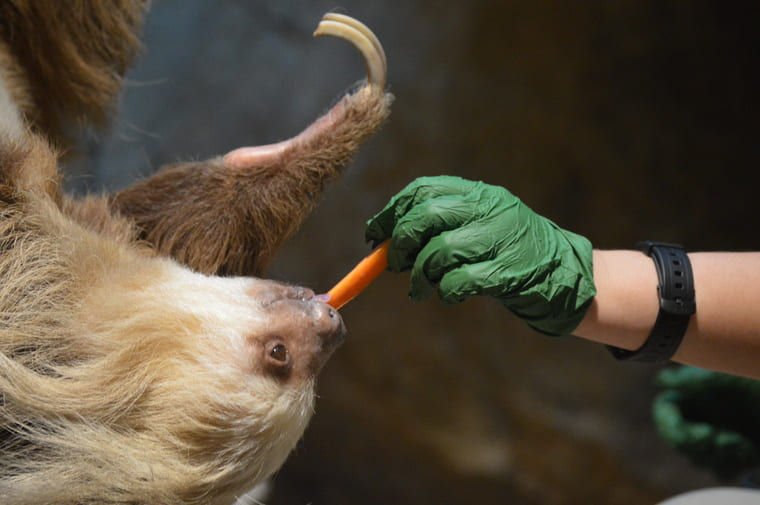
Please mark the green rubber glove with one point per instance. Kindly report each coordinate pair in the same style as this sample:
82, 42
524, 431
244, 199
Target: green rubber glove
470, 238
712, 418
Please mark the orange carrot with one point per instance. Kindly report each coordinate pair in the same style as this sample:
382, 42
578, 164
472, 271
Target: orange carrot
360, 277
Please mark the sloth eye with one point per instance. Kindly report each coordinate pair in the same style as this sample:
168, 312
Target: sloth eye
280, 353
277, 360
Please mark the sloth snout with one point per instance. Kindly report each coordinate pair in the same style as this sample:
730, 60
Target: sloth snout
332, 331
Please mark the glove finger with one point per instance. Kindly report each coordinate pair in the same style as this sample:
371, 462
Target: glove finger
725, 452
667, 415
424, 221
701, 442
468, 280
381, 226
684, 378
696, 440
726, 399
734, 454
717, 399
467, 245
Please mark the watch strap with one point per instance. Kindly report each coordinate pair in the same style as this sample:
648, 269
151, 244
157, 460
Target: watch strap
677, 304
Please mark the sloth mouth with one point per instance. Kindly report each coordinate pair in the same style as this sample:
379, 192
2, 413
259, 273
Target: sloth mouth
324, 298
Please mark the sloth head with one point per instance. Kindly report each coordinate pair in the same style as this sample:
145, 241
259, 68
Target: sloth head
151, 381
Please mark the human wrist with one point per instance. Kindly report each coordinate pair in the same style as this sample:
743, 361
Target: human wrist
677, 304
625, 307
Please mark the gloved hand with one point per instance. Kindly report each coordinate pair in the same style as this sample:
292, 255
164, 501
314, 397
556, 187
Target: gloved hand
712, 418
470, 238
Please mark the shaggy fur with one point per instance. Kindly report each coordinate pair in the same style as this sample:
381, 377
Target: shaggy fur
73, 56
129, 373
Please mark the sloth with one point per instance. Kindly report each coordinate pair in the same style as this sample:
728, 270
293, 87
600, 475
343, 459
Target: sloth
143, 359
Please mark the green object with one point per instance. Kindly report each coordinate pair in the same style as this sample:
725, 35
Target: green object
712, 418
471, 238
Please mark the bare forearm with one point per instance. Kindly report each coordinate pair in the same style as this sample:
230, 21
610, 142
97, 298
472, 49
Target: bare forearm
723, 335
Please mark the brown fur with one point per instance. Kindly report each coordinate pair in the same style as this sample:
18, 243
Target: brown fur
223, 221
126, 377
71, 56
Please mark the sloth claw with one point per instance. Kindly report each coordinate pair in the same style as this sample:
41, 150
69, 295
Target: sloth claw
362, 38
332, 16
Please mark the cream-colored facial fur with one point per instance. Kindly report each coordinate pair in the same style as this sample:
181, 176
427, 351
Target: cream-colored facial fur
132, 372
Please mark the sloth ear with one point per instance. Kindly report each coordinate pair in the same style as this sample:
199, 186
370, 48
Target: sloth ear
230, 214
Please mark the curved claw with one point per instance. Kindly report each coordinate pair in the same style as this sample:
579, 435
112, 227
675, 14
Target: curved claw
362, 38
364, 29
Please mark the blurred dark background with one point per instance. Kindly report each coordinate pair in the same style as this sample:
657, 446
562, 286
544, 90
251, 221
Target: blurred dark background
620, 120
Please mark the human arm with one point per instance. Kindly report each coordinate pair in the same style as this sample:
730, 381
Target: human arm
451, 234
709, 417
723, 334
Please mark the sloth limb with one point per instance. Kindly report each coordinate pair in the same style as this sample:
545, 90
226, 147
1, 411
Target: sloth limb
228, 215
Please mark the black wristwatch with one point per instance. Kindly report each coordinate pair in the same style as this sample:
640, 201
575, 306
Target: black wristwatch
677, 304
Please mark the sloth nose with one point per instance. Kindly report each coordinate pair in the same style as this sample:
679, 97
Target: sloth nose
331, 333
332, 330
